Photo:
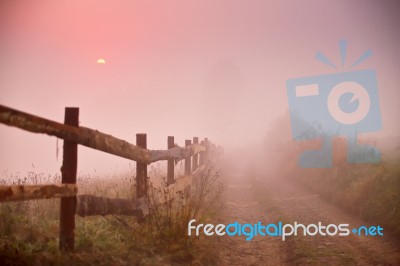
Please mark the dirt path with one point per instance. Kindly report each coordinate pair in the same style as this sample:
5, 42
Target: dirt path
274, 200
242, 206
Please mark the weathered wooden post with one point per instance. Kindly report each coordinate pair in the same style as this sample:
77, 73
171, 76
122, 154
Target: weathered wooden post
188, 160
68, 176
202, 154
207, 152
195, 156
171, 169
141, 169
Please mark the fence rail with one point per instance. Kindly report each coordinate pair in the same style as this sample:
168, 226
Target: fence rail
92, 138
73, 134
29, 192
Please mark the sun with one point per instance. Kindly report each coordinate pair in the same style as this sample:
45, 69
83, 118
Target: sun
101, 61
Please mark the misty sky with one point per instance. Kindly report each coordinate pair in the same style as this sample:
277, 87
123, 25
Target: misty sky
215, 69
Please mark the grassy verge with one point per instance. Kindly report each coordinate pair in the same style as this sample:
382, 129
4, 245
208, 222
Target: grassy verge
29, 230
371, 192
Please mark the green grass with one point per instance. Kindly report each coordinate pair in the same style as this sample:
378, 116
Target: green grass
29, 230
369, 191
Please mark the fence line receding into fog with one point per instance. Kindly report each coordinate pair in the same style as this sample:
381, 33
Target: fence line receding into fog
73, 134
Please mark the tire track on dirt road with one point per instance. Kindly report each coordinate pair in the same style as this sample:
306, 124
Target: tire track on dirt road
270, 201
295, 203
242, 206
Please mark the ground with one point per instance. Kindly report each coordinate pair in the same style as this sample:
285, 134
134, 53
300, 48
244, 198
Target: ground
273, 200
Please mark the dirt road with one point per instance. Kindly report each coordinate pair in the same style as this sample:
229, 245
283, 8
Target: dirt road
270, 201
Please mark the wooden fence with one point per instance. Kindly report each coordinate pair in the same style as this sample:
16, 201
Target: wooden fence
194, 154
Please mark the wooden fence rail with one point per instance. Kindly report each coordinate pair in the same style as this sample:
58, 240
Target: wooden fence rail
29, 192
92, 138
84, 205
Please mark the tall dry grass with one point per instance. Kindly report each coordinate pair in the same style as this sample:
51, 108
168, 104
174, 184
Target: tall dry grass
29, 230
369, 191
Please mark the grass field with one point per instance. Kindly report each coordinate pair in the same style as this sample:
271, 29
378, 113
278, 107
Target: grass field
29, 230
371, 192
368, 191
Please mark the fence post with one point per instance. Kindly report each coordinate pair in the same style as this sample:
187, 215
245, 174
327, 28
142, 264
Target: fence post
188, 160
206, 153
141, 169
171, 169
202, 154
196, 156
68, 176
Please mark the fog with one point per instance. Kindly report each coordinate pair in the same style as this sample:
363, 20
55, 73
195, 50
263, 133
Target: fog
179, 68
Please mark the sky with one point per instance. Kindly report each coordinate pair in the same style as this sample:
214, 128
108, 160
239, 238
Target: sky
215, 69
